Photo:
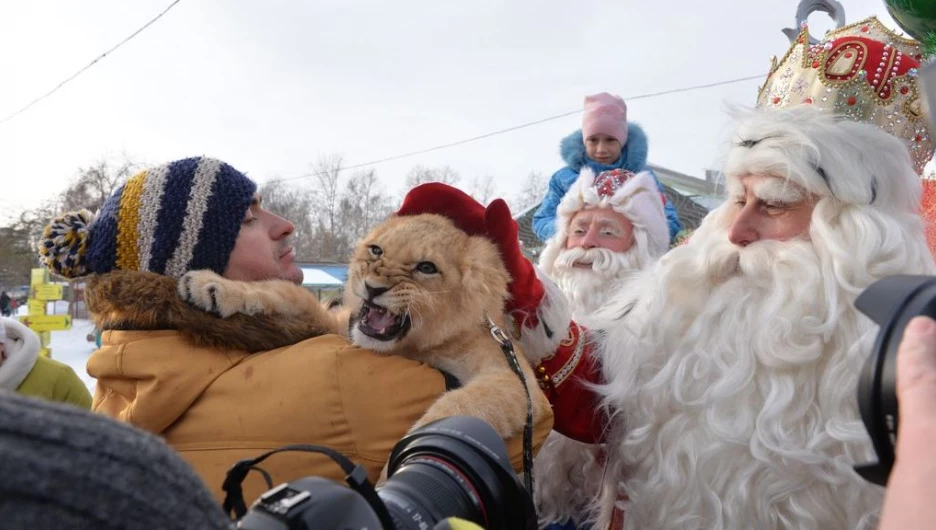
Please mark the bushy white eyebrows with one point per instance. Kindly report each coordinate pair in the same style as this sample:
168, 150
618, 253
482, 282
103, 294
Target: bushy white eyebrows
735, 188
779, 190
771, 189
603, 222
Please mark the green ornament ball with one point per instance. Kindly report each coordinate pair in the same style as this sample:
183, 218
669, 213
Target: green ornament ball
917, 18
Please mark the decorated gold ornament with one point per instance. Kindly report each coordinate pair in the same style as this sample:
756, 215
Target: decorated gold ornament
863, 72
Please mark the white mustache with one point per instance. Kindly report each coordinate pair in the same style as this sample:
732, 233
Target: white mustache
721, 259
600, 259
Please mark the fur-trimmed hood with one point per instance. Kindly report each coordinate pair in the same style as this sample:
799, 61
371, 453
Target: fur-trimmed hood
634, 152
146, 301
22, 352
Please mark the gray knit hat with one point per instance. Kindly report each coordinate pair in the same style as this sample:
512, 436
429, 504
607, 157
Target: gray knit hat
63, 467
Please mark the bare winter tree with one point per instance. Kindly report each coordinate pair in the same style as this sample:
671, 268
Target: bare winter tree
31, 222
90, 187
483, 189
531, 192
17, 257
327, 172
297, 205
422, 174
18, 253
331, 211
95, 183
363, 205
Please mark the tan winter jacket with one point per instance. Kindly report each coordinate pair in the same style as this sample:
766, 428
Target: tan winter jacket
217, 406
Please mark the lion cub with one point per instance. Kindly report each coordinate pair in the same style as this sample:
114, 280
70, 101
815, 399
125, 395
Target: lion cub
417, 287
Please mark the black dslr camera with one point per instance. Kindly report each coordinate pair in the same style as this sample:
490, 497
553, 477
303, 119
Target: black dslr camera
891, 303
454, 467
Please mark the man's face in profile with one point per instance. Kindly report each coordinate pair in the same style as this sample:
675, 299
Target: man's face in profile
263, 250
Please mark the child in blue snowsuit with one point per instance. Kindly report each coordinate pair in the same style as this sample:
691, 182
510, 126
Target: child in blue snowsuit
605, 142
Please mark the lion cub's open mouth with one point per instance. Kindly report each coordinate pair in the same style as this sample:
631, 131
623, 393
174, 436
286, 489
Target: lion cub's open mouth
378, 323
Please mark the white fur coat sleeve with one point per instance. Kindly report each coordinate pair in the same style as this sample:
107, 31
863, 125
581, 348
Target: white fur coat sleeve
21, 352
554, 316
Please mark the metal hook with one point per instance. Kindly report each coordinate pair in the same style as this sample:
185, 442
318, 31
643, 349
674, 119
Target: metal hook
807, 7
497, 332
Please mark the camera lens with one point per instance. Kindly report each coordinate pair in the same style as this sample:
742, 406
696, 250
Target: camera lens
891, 303
427, 489
455, 467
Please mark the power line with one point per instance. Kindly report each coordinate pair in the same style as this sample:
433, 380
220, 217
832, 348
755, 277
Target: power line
89, 65
521, 126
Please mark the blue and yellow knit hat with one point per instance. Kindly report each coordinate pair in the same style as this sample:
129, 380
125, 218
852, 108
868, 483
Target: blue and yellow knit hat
171, 219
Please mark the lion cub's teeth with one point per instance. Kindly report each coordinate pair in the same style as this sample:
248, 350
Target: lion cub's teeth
379, 319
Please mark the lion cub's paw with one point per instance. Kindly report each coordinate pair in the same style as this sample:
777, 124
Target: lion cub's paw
207, 290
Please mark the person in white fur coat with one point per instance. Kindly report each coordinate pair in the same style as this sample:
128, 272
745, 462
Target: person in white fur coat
730, 367
608, 227
23, 370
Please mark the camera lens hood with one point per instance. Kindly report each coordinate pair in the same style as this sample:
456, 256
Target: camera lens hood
891, 303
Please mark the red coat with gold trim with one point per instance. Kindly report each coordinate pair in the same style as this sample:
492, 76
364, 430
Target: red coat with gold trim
565, 378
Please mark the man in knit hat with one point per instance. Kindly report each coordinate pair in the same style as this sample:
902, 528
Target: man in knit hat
606, 141
68, 468
179, 372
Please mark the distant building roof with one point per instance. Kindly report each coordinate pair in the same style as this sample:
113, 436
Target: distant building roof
323, 274
710, 185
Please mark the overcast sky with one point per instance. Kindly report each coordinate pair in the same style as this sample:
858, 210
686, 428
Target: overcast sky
271, 86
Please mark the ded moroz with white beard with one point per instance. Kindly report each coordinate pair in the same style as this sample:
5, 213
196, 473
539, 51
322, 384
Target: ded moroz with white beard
728, 370
731, 364
588, 270
608, 227
732, 367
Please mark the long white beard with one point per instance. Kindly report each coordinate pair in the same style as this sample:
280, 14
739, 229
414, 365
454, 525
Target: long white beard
569, 476
733, 376
590, 289
570, 473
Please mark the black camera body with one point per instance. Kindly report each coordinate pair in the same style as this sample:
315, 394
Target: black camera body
454, 467
319, 500
891, 302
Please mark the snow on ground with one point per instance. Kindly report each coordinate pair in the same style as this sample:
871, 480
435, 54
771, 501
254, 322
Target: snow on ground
71, 346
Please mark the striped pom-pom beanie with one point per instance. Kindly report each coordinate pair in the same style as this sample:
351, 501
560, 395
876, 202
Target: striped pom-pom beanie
181, 216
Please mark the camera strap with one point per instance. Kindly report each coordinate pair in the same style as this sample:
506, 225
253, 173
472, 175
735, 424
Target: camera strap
355, 476
507, 347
